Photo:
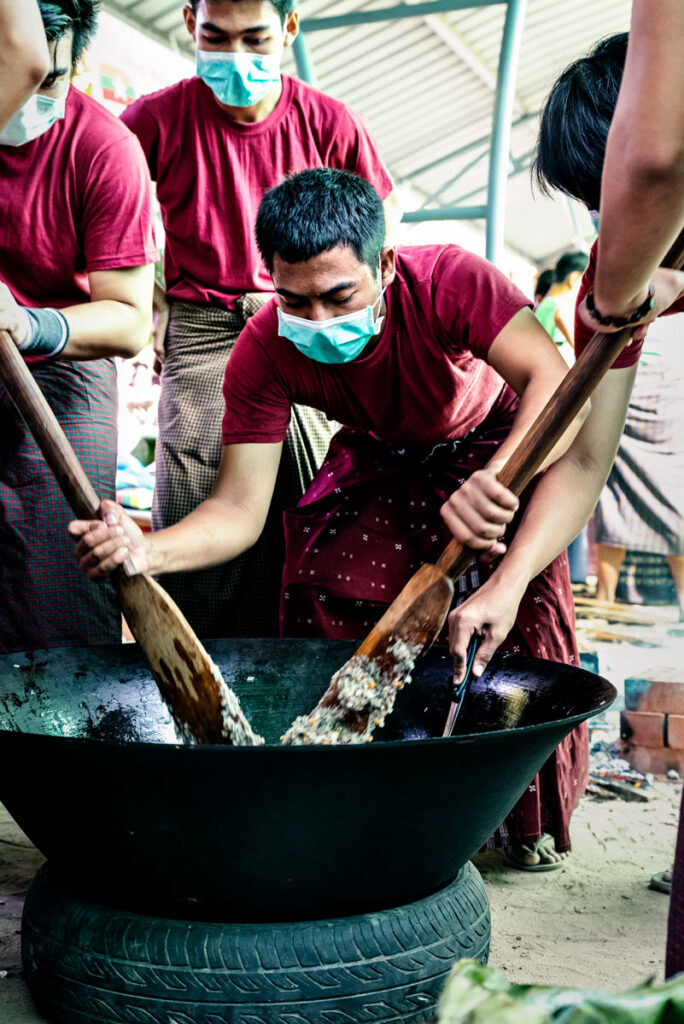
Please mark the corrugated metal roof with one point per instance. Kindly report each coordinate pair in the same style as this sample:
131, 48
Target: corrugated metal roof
425, 86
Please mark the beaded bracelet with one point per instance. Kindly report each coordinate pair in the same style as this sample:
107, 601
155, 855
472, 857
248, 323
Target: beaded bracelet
621, 321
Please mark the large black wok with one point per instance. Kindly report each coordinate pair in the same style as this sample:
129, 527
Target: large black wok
90, 769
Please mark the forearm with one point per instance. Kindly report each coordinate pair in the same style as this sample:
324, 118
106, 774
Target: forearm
642, 188
24, 60
215, 532
567, 494
532, 402
106, 328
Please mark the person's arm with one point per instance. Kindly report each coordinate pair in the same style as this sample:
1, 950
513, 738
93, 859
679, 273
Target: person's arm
116, 322
24, 59
478, 512
561, 504
642, 188
229, 522
558, 319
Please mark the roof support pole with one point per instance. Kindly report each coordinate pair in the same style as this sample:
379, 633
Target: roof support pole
303, 62
501, 129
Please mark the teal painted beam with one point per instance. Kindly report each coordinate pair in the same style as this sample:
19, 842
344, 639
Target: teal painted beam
393, 13
501, 130
446, 213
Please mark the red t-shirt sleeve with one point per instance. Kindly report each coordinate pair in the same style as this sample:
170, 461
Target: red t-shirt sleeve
257, 406
354, 149
139, 119
473, 300
583, 334
117, 220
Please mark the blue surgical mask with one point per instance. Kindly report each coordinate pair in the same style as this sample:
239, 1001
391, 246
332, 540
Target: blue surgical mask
33, 119
239, 79
338, 340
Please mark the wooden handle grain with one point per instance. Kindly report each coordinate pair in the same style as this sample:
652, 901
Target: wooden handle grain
556, 416
48, 434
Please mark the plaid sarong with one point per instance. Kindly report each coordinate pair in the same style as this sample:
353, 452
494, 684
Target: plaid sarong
45, 600
239, 598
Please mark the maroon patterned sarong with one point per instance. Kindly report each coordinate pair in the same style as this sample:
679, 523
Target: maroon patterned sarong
368, 521
674, 959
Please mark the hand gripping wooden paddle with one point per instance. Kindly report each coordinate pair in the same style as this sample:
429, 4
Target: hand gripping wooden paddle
203, 707
362, 693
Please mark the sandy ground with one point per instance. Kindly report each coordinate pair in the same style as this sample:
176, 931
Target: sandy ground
592, 924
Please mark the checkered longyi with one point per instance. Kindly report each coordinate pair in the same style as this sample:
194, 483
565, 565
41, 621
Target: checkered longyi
45, 600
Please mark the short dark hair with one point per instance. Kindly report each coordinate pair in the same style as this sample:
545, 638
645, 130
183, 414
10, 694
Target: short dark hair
575, 123
78, 15
282, 7
571, 262
317, 210
545, 279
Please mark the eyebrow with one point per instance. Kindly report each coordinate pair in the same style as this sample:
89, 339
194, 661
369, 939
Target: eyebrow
208, 26
323, 295
55, 72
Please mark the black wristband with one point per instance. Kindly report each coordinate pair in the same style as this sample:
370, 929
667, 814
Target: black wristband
621, 321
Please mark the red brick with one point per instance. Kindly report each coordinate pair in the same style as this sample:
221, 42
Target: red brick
643, 728
657, 760
675, 731
664, 696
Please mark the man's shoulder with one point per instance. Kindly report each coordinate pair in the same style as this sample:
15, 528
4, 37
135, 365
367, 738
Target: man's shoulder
92, 125
312, 100
423, 261
169, 98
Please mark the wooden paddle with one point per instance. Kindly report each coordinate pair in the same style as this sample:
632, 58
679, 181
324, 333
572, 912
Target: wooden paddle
203, 707
362, 693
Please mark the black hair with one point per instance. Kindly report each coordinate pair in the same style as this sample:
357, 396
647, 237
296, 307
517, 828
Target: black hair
317, 210
78, 15
575, 122
544, 281
282, 7
570, 262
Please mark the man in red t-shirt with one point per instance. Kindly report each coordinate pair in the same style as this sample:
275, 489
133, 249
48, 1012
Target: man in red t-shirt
436, 367
76, 274
215, 143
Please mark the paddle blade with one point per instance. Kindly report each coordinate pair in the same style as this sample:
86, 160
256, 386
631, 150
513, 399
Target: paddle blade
203, 707
362, 693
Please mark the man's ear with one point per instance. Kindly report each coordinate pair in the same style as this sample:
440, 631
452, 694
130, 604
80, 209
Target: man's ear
388, 265
291, 28
190, 20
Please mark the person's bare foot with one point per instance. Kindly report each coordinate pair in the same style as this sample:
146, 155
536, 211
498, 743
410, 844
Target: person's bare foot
541, 855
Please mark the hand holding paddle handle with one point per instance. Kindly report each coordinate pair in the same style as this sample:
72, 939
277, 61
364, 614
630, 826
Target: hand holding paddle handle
554, 419
190, 683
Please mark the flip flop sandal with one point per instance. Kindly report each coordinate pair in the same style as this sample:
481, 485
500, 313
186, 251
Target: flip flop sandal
660, 884
513, 861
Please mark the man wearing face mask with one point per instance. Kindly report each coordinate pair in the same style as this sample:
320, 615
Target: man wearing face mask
436, 366
76, 274
215, 144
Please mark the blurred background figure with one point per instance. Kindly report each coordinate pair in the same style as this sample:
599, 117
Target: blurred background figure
545, 278
642, 506
556, 309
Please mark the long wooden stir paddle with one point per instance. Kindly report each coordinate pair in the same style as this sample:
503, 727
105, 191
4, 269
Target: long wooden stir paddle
203, 706
362, 693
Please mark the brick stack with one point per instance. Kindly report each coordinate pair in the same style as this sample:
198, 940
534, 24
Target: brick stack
652, 726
